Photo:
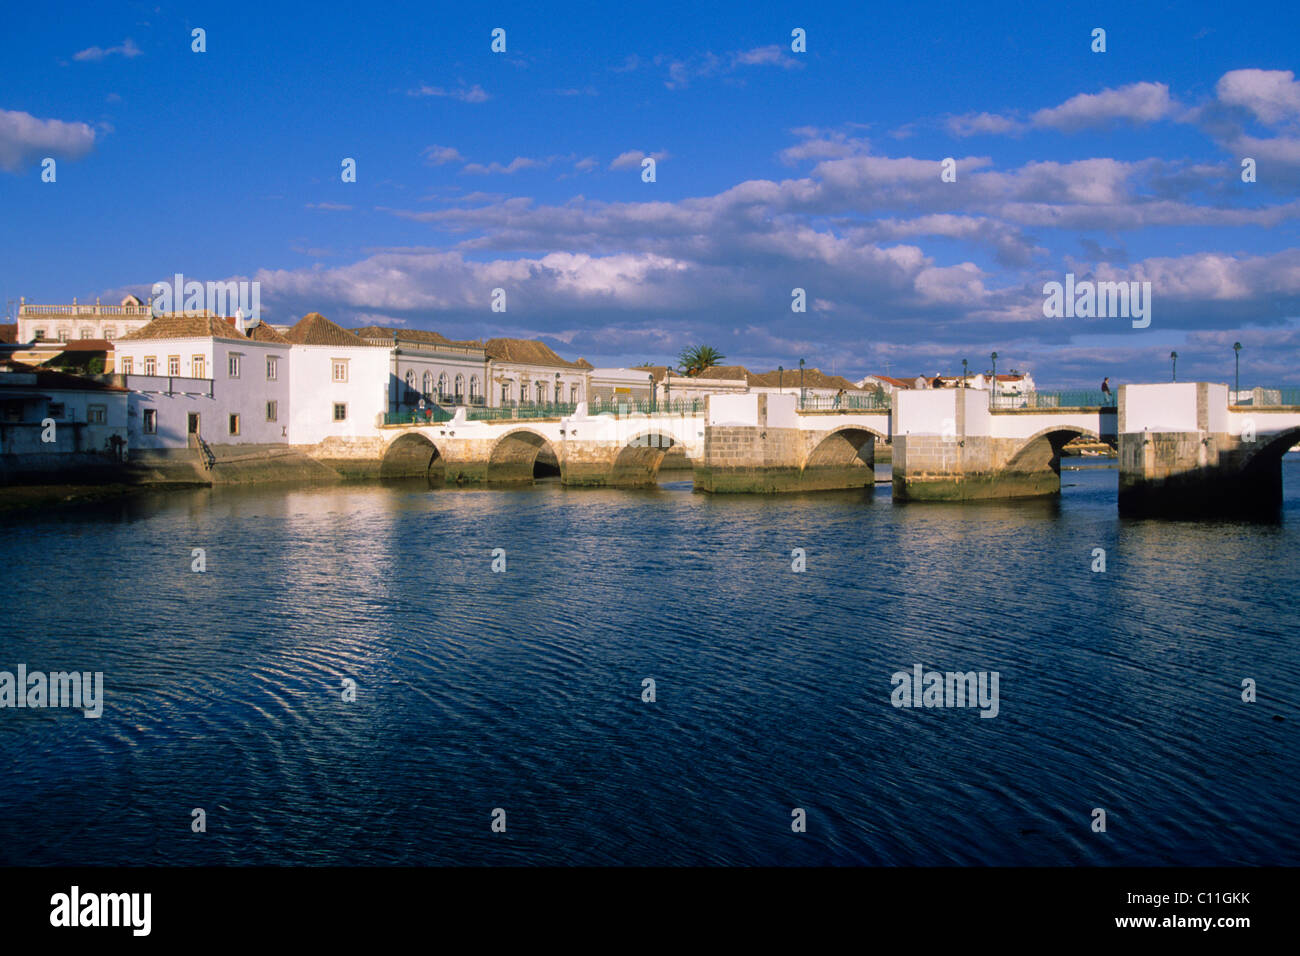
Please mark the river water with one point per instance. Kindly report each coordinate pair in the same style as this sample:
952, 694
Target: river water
522, 689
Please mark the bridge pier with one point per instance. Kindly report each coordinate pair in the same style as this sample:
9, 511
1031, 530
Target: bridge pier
949, 445
1179, 455
756, 443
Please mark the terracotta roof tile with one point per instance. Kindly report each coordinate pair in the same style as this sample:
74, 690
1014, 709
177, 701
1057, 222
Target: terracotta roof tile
314, 329
525, 352
178, 325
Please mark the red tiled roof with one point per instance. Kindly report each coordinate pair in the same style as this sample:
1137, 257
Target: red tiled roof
314, 329
260, 332
48, 378
8, 333
181, 326
525, 352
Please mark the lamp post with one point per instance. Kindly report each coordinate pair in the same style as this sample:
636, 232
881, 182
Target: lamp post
558, 396
801, 383
993, 393
780, 378
652, 391
1236, 359
963, 373
1173, 358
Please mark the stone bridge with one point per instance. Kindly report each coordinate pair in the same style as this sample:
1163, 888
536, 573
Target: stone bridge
1182, 448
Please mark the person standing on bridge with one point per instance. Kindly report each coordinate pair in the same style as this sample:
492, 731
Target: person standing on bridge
1105, 389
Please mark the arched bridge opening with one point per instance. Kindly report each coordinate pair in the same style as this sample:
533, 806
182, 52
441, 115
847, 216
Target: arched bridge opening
845, 458
522, 456
638, 463
412, 455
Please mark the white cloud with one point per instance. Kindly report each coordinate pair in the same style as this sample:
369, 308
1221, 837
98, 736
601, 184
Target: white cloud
438, 155
475, 94
509, 169
1137, 102
1272, 95
24, 138
631, 159
94, 54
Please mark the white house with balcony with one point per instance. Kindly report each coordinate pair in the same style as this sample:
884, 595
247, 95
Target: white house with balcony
52, 422
425, 366
198, 376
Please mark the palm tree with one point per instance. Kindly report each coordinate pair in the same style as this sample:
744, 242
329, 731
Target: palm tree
697, 358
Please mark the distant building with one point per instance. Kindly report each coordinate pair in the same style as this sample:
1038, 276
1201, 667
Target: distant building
528, 372
886, 383
816, 384
66, 323
430, 367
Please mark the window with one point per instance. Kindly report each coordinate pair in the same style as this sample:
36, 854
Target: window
63, 335
232, 366
541, 393
340, 412
428, 385
127, 365
234, 424
473, 388
573, 395
272, 370
197, 365
173, 365
110, 333
151, 421
505, 393
272, 410
97, 414
40, 335
559, 393
55, 410
341, 372
87, 333
150, 365
442, 385
460, 389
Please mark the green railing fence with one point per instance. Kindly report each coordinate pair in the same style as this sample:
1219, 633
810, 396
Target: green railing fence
1070, 398
873, 402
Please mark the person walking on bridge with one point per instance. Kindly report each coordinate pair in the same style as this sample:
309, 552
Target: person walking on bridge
1105, 390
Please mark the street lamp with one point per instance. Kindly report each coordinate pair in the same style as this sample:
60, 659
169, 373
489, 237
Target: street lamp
963, 373
557, 388
801, 383
780, 378
1236, 356
993, 394
652, 391
1173, 358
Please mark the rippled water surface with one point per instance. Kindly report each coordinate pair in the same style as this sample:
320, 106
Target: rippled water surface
522, 690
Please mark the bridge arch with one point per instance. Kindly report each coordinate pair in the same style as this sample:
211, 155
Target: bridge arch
638, 462
1041, 451
519, 454
411, 455
845, 457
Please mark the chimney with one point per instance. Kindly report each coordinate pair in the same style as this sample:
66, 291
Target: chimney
239, 321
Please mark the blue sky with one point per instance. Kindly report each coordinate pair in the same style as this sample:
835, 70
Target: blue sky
775, 170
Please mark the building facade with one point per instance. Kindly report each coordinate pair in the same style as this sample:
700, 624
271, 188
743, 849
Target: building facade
66, 323
425, 366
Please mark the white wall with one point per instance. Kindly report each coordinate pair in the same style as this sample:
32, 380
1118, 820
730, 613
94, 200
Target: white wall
1170, 407
925, 411
313, 392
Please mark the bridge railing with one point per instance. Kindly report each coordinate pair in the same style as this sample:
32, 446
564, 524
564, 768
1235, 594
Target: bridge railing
416, 416
1267, 397
873, 402
1070, 398
646, 406
513, 412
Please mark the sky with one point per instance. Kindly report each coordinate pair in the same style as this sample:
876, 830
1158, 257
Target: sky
775, 170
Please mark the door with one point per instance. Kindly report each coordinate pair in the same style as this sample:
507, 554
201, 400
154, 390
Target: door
193, 424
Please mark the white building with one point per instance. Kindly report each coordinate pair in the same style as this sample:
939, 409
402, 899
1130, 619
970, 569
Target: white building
197, 375
339, 383
430, 367
527, 372
54, 422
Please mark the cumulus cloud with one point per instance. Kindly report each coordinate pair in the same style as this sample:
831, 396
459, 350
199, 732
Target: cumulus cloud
508, 169
438, 155
24, 139
1273, 96
1136, 103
